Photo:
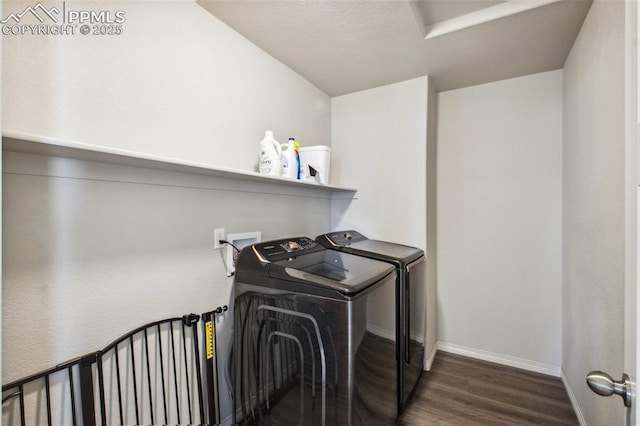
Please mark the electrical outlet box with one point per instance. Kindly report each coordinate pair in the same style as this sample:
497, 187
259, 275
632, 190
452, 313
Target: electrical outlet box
240, 241
218, 234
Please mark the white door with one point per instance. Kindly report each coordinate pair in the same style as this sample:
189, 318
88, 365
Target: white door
603, 383
632, 297
632, 248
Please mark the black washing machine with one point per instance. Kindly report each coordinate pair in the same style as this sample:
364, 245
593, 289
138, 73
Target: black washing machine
410, 321
303, 348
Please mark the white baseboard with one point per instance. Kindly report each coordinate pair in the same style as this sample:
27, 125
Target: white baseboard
428, 360
574, 401
391, 334
525, 364
378, 331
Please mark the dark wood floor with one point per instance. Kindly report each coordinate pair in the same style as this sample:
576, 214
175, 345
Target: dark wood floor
463, 391
459, 391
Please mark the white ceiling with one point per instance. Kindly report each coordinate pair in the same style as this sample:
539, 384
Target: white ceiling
343, 46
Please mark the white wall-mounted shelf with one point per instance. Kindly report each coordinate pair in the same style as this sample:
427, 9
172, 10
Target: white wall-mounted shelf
42, 145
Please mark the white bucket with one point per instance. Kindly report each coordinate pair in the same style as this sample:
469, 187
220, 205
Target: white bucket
315, 164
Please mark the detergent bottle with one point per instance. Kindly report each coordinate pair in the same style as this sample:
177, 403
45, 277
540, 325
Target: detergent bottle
296, 145
289, 162
270, 155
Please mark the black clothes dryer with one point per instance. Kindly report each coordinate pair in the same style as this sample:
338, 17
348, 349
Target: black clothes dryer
410, 324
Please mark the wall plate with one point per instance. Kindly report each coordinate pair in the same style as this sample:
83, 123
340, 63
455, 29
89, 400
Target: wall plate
240, 240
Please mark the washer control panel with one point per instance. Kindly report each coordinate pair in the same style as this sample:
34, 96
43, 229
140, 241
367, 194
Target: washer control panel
344, 238
273, 251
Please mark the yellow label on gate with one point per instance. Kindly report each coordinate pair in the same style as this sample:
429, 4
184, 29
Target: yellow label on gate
208, 326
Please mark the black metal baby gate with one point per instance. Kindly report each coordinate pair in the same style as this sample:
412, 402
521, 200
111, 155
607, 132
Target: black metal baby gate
151, 375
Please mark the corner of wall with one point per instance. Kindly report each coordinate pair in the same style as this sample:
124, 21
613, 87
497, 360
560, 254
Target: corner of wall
431, 226
572, 398
593, 98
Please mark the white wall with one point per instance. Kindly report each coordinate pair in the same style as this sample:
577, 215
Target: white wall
380, 147
177, 83
593, 209
91, 251
499, 185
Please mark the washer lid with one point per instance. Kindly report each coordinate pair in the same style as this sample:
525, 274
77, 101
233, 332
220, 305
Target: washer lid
353, 242
384, 250
301, 264
343, 272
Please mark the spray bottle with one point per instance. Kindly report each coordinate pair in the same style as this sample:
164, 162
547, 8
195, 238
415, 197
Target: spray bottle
296, 145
